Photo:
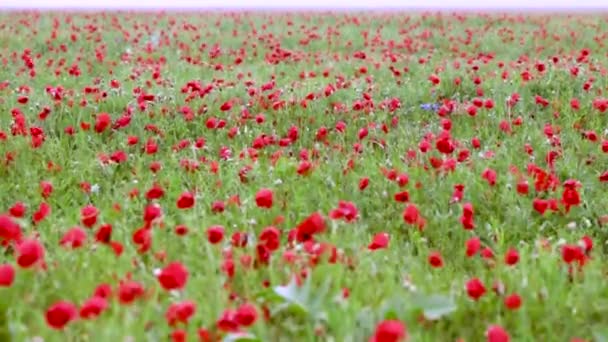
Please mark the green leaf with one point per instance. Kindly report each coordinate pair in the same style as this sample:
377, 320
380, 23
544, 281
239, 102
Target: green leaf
434, 306
392, 308
268, 295
303, 299
292, 293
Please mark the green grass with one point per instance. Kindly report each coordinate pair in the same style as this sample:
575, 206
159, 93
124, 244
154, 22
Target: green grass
396, 282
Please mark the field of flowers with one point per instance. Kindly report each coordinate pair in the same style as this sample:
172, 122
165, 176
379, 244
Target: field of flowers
303, 177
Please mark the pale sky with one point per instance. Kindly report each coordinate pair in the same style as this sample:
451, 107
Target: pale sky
311, 4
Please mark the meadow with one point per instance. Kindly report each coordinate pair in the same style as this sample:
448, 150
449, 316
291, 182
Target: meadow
305, 176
